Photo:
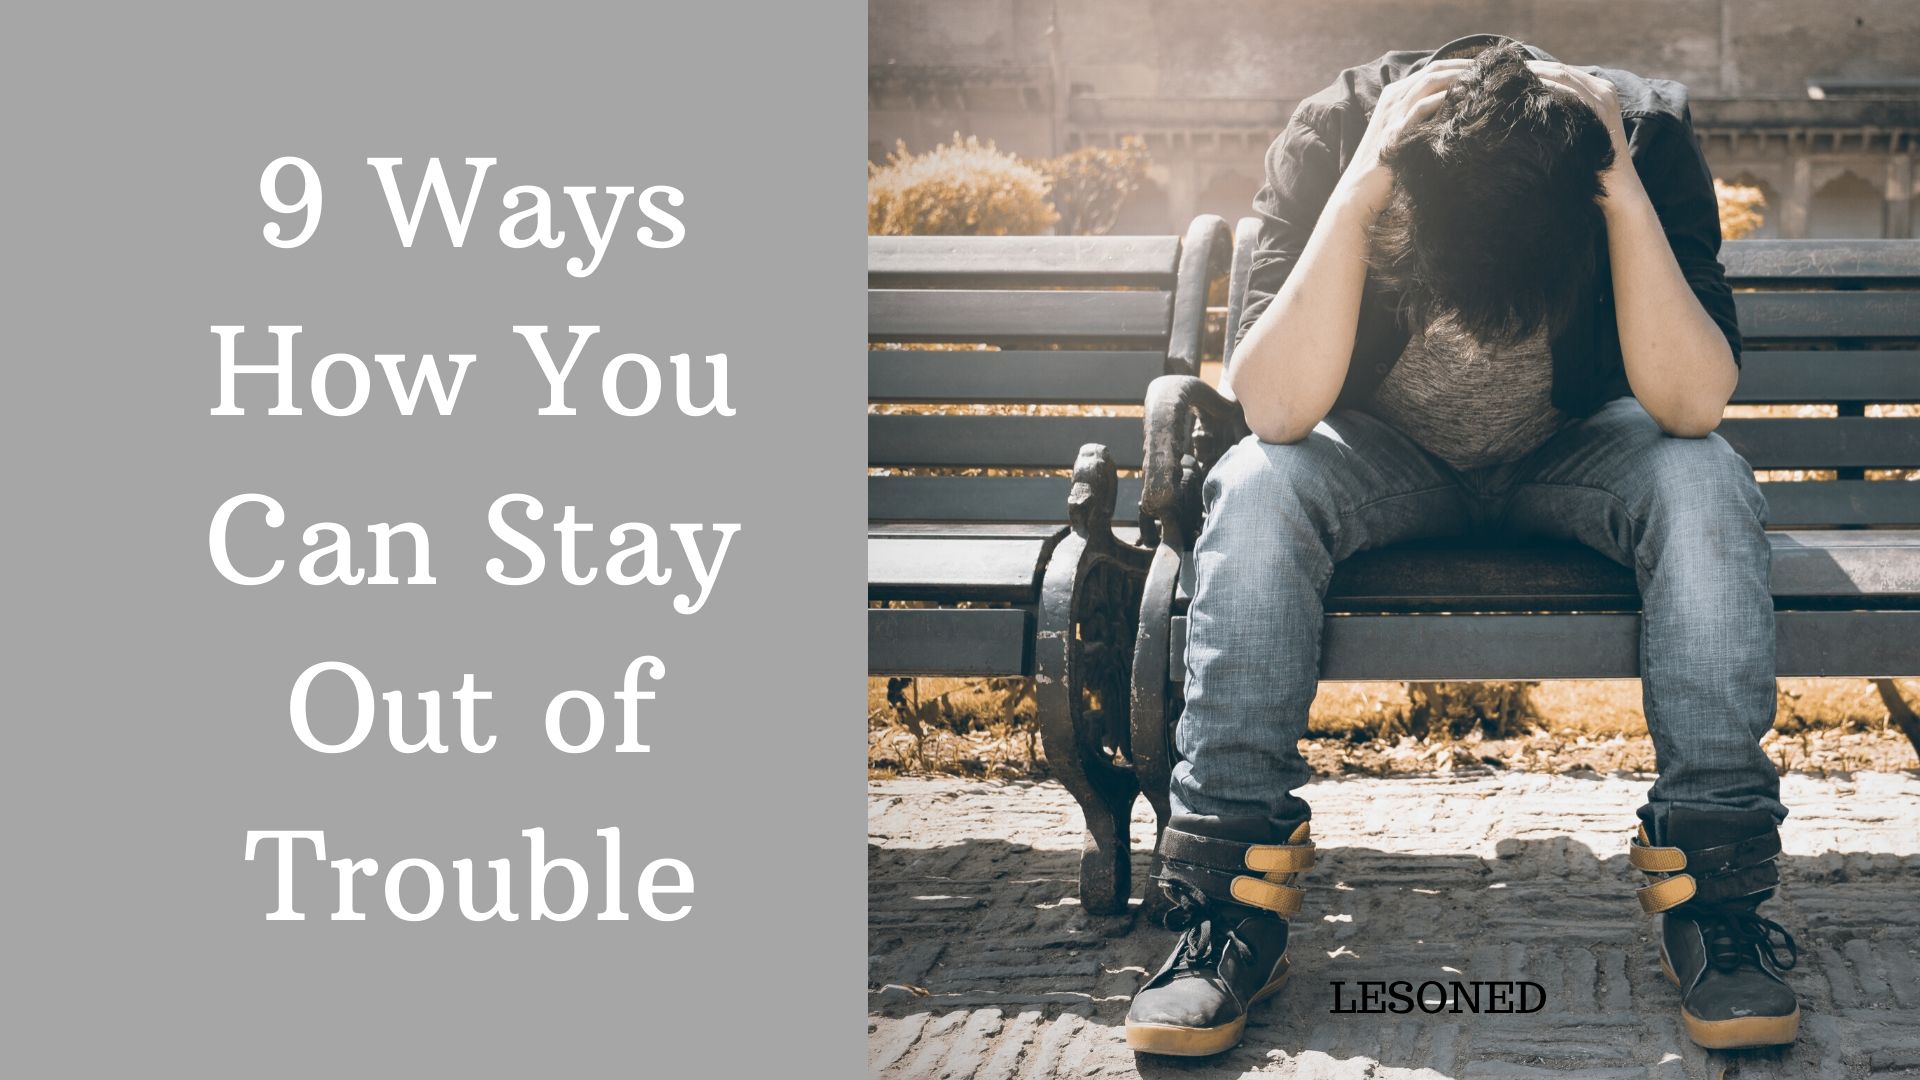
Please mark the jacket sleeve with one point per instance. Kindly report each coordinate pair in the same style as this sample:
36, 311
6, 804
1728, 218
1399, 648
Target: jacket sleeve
1301, 173
1678, 181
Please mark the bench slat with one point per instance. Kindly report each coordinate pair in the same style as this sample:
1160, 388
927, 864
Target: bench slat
1796, 376
1827, 315
983, 498
954, 569
1054, 441
1041, 442
1842, 502
1004, 316
895, 262
1832, 442
1808, 565
1058, 376
1819, 262
949, 641
1463, 575
1043, 499
1367, 648
959, 530
1782, 376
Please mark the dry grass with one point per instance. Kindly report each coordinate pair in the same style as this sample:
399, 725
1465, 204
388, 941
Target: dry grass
1370, 728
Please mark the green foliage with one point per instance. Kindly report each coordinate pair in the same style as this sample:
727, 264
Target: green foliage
966, 188
1091, 184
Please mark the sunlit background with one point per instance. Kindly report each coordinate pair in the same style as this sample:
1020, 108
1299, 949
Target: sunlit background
1815, 106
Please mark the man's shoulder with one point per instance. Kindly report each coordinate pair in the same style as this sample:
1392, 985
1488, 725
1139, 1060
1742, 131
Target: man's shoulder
1359, 86
1642, 97
1357, 89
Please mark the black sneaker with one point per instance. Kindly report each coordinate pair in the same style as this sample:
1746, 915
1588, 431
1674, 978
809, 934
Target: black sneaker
1729, 963
1231, 898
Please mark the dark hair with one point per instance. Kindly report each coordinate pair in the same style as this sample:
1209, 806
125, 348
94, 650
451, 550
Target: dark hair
1495, 212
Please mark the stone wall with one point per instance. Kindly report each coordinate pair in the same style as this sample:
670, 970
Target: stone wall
1209, 83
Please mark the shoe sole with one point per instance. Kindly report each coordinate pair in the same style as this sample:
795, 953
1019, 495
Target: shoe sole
1739, 1033
1171, 1040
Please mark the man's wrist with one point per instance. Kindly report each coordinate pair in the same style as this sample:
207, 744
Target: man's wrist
1622, 186
1351, 203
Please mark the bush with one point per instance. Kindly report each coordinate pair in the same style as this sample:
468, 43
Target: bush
1454, 710
966, 188
1091, 184
1740, 209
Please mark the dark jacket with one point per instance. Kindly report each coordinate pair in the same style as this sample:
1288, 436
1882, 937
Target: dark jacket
1307, 159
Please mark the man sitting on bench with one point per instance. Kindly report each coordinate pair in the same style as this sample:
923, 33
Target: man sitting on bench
1486, 300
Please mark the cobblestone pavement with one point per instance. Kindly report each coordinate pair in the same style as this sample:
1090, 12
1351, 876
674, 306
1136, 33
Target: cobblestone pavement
982, 965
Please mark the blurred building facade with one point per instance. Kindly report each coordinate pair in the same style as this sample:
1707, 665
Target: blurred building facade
1815, 103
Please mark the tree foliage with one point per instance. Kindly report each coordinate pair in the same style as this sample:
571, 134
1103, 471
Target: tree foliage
1742, 209
1091, 184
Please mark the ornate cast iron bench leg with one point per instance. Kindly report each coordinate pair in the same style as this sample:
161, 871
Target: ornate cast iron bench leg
1089, 612
1154, 706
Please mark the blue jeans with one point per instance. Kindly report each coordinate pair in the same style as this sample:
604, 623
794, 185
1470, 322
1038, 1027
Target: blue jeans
1685, 514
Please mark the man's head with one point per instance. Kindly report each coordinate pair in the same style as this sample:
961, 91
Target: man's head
1495, 213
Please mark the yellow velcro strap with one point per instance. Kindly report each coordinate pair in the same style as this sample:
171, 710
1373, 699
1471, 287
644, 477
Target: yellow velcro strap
1277, 898
1657, 860
1280, 858
1666, 893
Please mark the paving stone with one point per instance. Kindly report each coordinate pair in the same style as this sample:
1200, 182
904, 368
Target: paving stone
971, 898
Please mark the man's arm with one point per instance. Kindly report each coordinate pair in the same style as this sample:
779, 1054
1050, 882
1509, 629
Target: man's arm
1291, 362
1679, 338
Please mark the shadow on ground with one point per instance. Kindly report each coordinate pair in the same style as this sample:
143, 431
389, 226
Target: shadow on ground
982, 964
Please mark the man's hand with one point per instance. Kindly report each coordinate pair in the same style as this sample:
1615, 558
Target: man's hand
1599, 95
1288, 369
1677, 362
1402, 105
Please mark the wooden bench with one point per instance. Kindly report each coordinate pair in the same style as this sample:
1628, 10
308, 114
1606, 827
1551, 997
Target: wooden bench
955, 556
1834, 323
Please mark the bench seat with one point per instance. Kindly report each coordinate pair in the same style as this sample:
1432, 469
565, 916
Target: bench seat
1812, 568
1540, 646
957, 568
1553, 610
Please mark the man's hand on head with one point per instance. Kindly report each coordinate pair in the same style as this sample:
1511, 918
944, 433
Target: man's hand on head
1402, 105
1678, 363
1599, 95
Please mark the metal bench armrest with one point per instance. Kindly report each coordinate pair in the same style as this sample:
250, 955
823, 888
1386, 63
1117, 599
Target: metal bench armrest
1189, 425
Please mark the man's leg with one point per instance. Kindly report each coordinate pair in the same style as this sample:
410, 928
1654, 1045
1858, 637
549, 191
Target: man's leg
1686, 515
1277, 519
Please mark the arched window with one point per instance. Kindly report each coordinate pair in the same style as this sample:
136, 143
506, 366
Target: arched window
1846, 208
1145, 213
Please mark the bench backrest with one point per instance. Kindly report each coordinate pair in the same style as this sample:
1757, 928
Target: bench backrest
1028, 321
1830, 323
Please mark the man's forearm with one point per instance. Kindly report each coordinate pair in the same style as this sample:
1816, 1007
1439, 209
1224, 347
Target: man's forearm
1677, 360
1290, 365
